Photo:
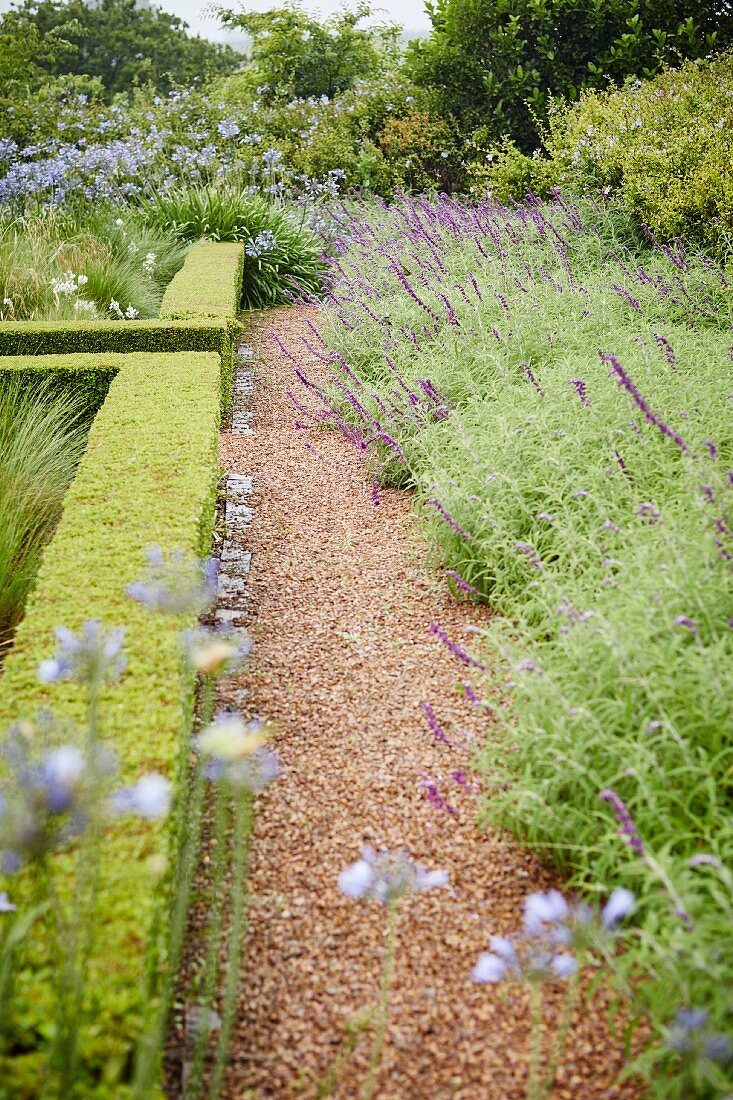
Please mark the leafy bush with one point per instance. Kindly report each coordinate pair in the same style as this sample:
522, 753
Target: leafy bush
281, 254
41, 442
662, 147
294, 55
496, 64
116, 41
589, 500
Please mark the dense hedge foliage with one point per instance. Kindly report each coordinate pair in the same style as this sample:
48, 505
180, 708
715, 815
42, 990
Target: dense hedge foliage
148, 474
208, 285
663, 148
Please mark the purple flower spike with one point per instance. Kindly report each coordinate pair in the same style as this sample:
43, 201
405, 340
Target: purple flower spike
435, 727
627, 829
580, 388
445, 515
688, 624
627, 383
460, 583
457, 650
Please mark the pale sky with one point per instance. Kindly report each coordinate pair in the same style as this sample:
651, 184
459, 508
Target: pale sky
409, 13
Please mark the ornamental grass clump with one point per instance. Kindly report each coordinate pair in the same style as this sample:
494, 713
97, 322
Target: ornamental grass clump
42, 439
282, 254
60, 267
575, 474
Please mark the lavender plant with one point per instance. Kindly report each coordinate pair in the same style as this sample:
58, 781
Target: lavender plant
557, 396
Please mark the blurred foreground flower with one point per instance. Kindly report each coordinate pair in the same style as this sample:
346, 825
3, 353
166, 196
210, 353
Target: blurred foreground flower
176, 584
90, 657
237, 753
212, 652
387, 876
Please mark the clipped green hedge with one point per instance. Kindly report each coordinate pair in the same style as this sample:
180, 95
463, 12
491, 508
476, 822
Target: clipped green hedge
148, 475
208, 285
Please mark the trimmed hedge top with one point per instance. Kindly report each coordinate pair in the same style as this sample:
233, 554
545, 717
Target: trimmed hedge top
208, 285
148, 476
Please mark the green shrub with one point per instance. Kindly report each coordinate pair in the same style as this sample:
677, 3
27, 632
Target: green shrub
280, 251
49, 337
663, 148
497, 64
41, 442
148, 474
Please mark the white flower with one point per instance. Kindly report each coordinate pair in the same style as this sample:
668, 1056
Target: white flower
131, 313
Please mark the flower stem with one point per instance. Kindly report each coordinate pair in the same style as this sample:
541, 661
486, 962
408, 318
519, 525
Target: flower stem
242, 830
563, 1030
150, 1046
534, 1084
382, 1013
213, 946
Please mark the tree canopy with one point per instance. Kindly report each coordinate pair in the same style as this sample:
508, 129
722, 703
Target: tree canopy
114, 40
293, 54
496, 63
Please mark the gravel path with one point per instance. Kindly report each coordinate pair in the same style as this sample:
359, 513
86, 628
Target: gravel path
343, 661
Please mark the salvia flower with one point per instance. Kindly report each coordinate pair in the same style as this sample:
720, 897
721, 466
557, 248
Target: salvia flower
92, 656
456, 649
387, 876
627, 830
176, 584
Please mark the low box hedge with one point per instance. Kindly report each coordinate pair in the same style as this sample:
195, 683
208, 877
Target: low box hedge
208, 285
198, 313
148, 476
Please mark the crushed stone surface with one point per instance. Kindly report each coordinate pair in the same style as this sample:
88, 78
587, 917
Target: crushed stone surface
343, 661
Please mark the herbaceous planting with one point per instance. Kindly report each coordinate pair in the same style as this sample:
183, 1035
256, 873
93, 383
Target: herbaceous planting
494, 258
